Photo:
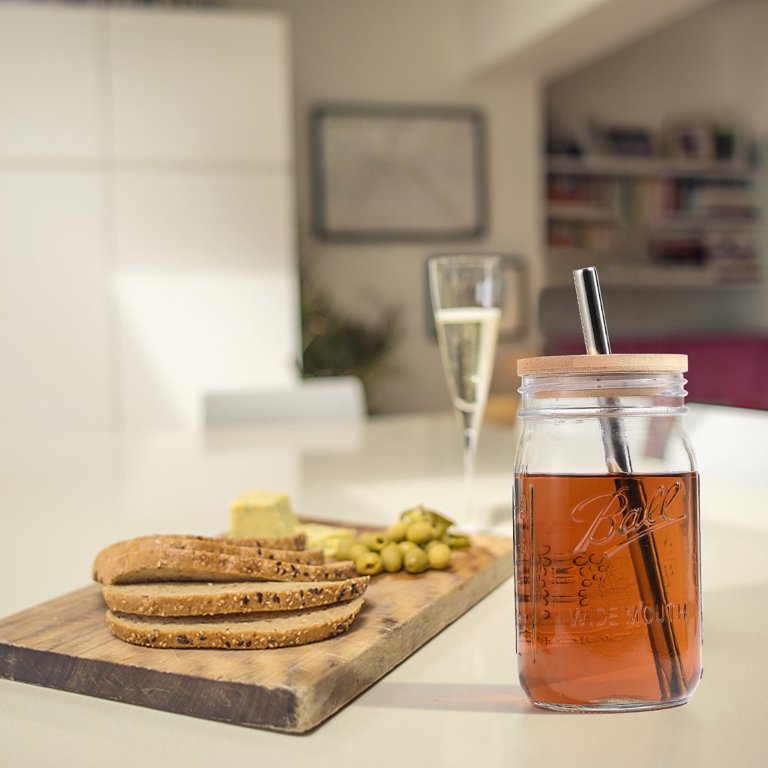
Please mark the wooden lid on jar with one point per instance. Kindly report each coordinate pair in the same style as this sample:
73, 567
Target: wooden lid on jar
597, 364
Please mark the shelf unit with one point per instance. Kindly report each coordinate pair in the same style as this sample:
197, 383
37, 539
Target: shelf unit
649, 221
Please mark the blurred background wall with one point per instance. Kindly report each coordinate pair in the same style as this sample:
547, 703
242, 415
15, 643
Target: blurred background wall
155, 187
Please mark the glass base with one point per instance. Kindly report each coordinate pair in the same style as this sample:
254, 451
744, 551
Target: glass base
610, 705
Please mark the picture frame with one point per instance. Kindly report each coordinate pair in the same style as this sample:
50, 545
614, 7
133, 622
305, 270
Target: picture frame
397, 173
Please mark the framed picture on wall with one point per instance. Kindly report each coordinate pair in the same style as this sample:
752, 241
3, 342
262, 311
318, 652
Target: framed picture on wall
384, 173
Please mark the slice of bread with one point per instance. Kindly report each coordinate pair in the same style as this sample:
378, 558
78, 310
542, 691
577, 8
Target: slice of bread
193, 599
207, 544
238, 632
297, 540
126, 563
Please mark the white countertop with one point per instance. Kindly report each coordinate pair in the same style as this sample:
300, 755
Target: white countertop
454, 702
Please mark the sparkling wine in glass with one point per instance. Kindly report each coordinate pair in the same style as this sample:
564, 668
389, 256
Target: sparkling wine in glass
466, 295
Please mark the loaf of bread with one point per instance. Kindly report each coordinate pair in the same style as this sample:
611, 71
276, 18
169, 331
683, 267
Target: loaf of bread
272, 630
185, 591
196, 599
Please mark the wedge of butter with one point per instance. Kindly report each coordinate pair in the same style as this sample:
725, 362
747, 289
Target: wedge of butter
262, 513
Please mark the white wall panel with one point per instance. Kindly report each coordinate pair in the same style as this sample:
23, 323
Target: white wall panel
194, 221
207, 289
183, 335
51, 81
54, 318
200, 85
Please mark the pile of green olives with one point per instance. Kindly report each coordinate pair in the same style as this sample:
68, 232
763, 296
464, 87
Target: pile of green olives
417, 542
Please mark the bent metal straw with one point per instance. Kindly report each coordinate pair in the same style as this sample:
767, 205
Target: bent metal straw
645, 557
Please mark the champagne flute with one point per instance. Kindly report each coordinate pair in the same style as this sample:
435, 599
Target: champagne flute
466, 293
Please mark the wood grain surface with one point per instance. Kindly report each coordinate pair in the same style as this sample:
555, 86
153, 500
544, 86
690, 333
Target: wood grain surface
66, 644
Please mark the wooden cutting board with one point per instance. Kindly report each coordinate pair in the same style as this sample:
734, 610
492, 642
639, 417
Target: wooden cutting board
65, 644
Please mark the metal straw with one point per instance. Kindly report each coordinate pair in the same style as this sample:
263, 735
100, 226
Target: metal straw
591, 310
645, 559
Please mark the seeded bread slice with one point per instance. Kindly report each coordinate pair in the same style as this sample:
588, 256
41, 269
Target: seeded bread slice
239, 632
295, 542
192, 599
120, 564
207, 544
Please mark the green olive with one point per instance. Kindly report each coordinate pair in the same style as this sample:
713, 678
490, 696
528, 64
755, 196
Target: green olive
438, 518
439, 555
416, 515
365, 538
392, 558
420, 532
396, 531
418, 541
416, 560
456, 540
377, 542
407, 546
357, 549
368, 564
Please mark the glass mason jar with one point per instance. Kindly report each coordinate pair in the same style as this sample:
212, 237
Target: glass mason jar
608, 588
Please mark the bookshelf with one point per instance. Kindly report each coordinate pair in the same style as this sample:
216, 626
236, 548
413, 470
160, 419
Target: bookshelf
652, 222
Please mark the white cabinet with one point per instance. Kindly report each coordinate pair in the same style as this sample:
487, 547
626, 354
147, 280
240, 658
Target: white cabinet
55, 324
146, 214
200, 85
206, 286
51, 82
194, 221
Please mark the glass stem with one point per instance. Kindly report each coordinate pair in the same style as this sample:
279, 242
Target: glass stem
470, 460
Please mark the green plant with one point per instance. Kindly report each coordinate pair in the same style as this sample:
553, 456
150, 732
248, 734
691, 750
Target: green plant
337, 344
